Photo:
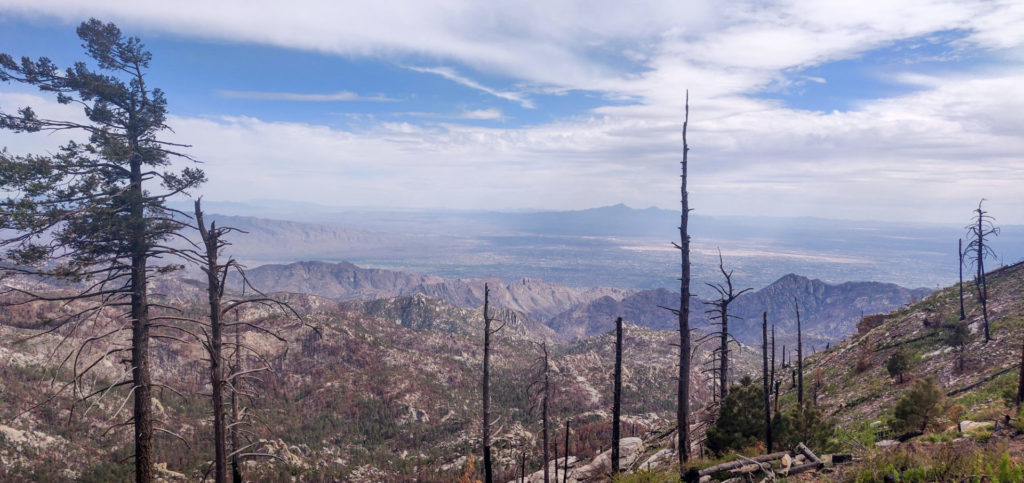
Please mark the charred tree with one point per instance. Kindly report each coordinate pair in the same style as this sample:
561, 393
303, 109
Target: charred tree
799, 355
542, 385
774, 385
617, 398
767, 384
565, 470
683, 393
236, 469
960, 254
488, 476
981, 229
93, 213
1020, 379
208, 257
726, 295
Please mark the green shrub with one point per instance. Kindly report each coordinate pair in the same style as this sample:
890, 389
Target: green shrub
740, 420
919, 408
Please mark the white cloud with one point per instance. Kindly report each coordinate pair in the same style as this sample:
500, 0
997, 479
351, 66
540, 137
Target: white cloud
293, 96
929, 155
453, 76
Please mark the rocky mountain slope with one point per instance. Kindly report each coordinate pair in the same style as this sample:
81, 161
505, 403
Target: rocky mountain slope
389, 392
857, 388
828, 312
537, 299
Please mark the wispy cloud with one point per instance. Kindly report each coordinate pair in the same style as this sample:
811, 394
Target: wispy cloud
492, 114
340, 96
450, 74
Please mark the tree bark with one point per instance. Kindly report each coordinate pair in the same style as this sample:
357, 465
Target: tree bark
143, 409
617, 398
488, 476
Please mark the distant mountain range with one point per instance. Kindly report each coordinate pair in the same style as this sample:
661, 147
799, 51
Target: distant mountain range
614, 246
828, 312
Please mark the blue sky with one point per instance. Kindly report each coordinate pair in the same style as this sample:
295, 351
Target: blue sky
829, 109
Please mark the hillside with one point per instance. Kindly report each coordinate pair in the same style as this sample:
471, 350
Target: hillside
537, 299
389, 392
919, 330
829, 312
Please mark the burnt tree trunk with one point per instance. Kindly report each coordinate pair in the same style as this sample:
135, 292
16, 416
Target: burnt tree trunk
617, 397
236, 469
211, 243
767, 392
1020, 379
683, 396
799, 355
980, 278
488, 476
960, 254
565, 470
544, 413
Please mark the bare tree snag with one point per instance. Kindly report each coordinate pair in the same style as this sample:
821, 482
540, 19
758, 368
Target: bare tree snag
541, 382
799, 355
236, 469
1020, 379
488, 477
726, 295
960, 255
765, 375
207, 257
981, 229
683, 396
617, 398
565, 470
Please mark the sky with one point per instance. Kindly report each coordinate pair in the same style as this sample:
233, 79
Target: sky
896, 110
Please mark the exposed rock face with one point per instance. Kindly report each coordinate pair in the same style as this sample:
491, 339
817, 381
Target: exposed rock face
537, 299
629, 450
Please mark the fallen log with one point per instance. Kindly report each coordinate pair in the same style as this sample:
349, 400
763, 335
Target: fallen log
740, 463
800, 469
808, 453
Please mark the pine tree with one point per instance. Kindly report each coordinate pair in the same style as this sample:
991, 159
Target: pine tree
93, 213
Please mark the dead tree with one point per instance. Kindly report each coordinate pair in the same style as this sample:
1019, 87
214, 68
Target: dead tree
799, 355
683, 393
1020, 379
617, 404
726, 295
488, 478
775, 384
488, 332
94, 213
541, 383
767, 392
565, 470
208, 257
960, 254
236, 470
978, 232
